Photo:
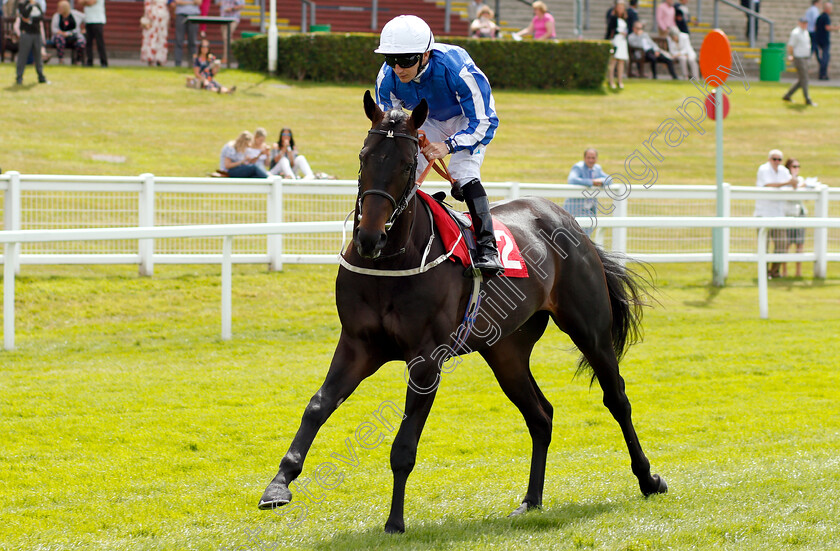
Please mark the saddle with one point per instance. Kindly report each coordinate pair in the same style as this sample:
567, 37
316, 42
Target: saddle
455, 229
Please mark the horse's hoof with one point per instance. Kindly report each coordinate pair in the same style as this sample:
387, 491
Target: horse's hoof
394, 529
524, 508
660, 486
276, 495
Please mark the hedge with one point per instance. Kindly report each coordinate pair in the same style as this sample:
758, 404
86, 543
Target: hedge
340, 57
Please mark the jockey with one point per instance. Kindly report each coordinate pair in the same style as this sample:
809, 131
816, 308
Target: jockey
462, 118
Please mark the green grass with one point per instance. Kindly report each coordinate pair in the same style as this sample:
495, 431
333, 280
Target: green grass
147, 116
128, 424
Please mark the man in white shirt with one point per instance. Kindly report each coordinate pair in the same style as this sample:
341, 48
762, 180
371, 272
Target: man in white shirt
95, 31
773, 174
799, 51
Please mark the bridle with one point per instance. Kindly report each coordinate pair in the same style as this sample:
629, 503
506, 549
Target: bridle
410, 187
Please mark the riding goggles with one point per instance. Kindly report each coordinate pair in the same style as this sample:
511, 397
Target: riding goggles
404, 61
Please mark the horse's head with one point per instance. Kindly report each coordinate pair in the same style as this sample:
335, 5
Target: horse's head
388, 163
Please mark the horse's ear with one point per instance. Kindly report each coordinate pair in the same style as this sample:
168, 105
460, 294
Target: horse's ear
418, 116
373, 112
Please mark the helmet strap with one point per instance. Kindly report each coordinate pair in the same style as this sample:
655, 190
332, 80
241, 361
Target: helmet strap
421, 69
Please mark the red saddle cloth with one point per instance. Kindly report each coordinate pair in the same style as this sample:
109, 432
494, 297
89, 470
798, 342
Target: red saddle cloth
449, 232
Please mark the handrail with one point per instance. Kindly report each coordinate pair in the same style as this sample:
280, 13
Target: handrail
304, 27
749, 12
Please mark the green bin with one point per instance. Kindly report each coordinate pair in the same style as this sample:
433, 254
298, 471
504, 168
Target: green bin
320, 28
772, 64
249, 34
781, 45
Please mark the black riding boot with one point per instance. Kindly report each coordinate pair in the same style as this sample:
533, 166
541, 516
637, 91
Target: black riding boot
487, 255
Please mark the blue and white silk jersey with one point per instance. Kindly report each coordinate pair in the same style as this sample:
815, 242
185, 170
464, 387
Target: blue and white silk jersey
453, 86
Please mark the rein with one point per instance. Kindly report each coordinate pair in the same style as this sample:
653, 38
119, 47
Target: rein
441, 170
424, 267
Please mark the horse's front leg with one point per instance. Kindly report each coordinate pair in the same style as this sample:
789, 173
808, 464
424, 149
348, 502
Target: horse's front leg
351, 363
423, 374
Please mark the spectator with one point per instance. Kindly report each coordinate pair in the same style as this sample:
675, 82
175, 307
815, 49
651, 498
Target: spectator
586, 173
184, 9
203, 9
822, 32
259, 148
653, 54
748, 4
66, 30
155, 23
205, 67
230, 8
682, 16
632, 13
484, 26
31, 17
473, 8
773, 175
665, 16
679, 45
811, 14
95, 30
795, 236
632, 16
285, 159
541, 26
234, 161
799, 51
617, 32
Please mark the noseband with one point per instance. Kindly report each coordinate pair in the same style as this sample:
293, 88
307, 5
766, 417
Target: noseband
410, 188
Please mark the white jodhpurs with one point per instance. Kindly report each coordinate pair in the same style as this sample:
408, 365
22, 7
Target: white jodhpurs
301, 168
463, 165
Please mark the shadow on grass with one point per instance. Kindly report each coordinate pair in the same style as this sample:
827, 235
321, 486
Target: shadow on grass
711, 294
459, 530
253, 89
20, 87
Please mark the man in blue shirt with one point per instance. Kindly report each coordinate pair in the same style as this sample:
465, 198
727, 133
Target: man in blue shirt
462, 117
823, 37
586, 173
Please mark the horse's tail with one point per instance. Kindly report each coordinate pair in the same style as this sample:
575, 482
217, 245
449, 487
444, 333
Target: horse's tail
628, 291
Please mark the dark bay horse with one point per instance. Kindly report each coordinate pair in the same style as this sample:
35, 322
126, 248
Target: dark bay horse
414, 318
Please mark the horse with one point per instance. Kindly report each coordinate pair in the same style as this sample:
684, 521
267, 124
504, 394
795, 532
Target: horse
413, 317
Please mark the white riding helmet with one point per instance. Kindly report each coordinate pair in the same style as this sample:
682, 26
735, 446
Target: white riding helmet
405, 34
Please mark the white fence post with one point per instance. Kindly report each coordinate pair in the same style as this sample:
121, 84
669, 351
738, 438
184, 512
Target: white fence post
727, 212
619, 235
146, 217
513, 193
10, 259
227, 251
275, 214
13, 215
762, 274
821, 234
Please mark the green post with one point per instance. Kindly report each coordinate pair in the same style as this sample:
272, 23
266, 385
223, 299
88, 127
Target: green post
718, 271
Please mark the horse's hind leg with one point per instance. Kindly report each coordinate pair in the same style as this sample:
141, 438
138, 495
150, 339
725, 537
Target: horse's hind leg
351, 364
509, 360
596, 346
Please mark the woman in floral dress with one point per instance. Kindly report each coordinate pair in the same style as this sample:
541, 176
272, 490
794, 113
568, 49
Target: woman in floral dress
155, 23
